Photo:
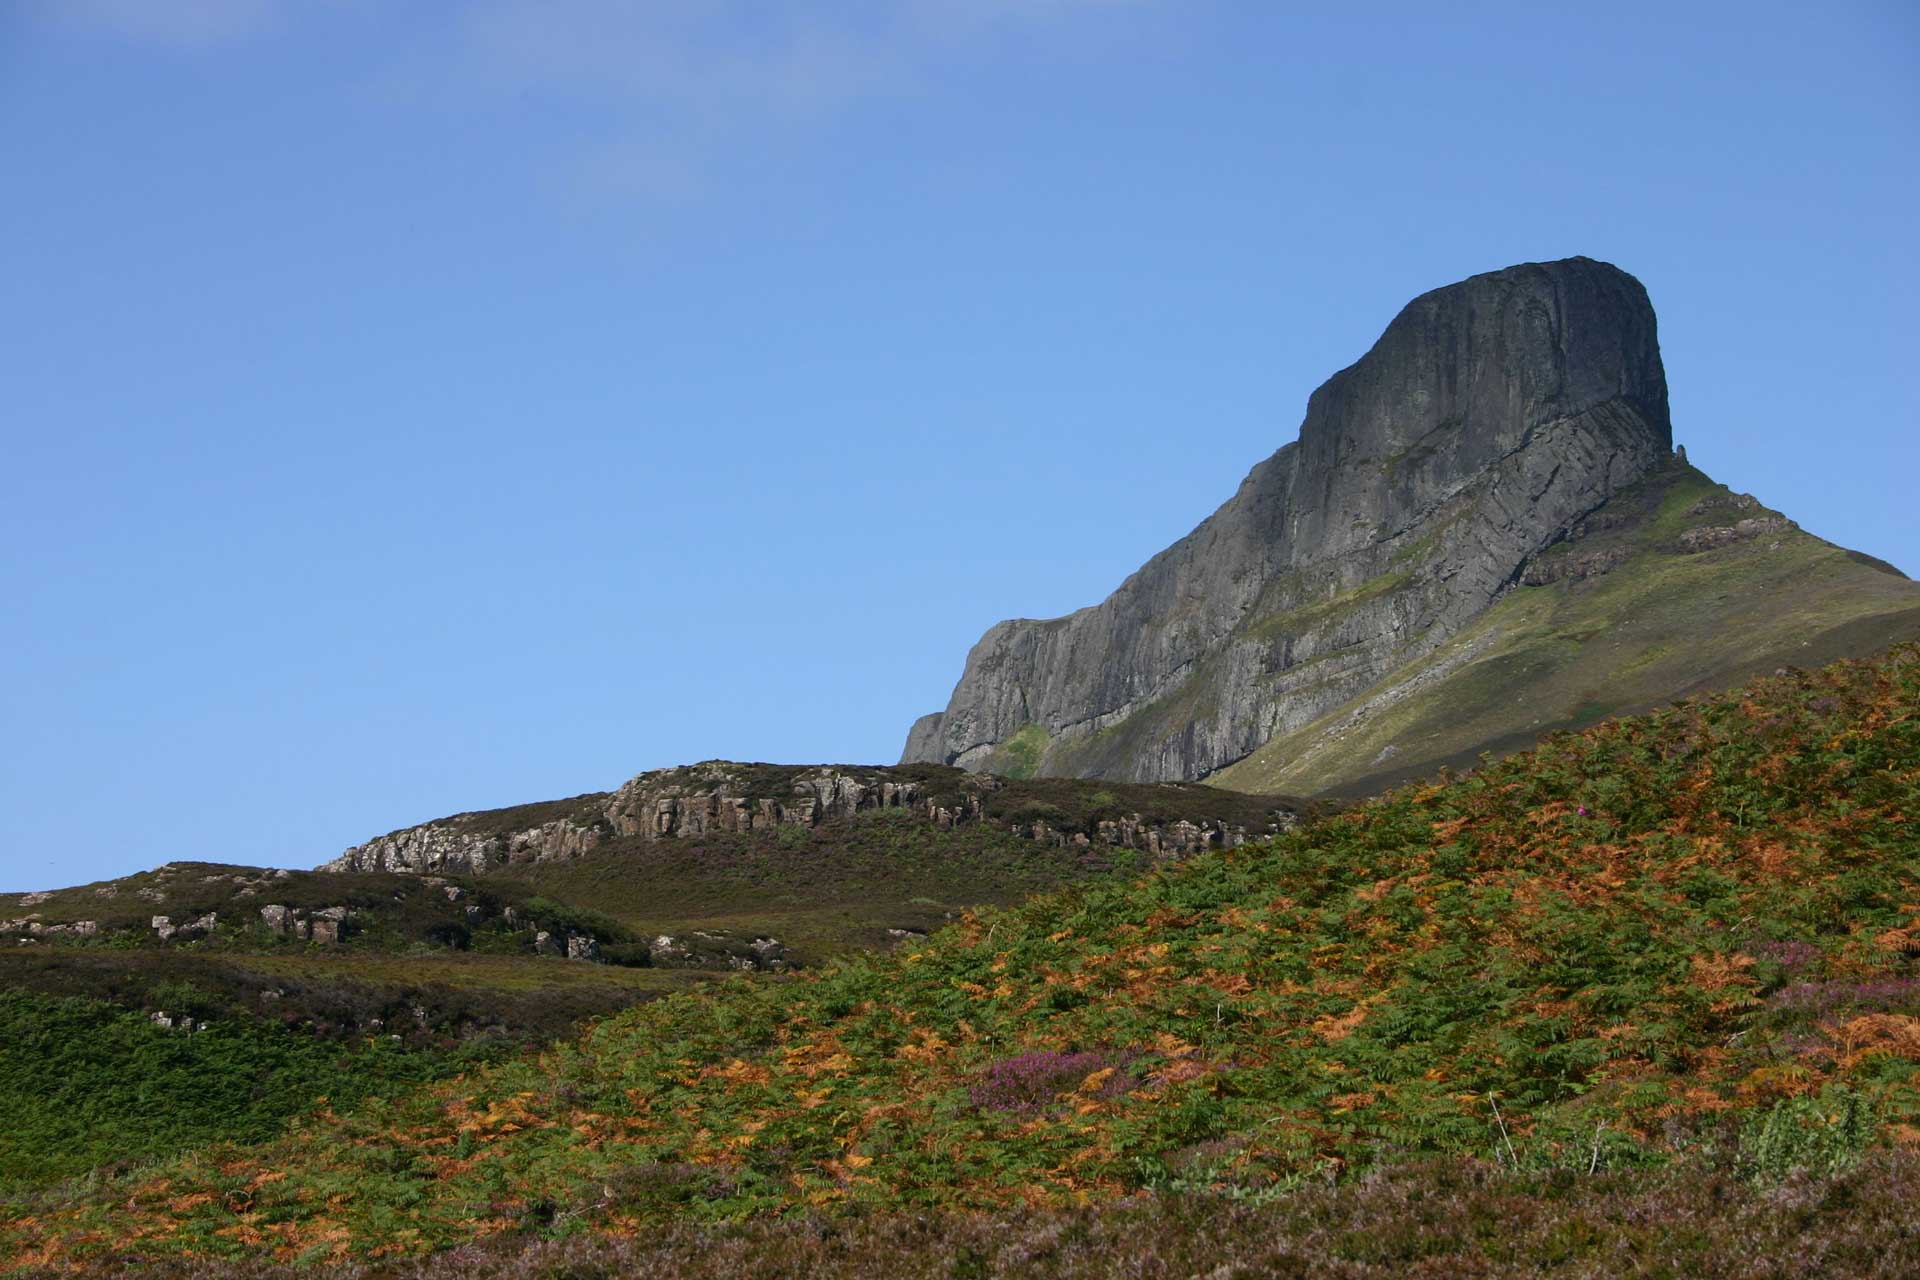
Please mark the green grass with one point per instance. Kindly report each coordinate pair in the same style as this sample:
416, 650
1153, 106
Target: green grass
838, 887
1019, 756
86, 1084
1682, 935
1564, 655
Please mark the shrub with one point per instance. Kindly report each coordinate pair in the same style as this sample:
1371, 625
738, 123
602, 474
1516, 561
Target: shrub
1824, 1134
1031, 1082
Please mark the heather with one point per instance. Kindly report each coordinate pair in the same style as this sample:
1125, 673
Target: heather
1679, 941
1439, 1218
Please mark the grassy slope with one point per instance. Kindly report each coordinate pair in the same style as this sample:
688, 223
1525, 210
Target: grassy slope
1640, 941
820, 891
324, 1020
405, 906
87, 1078
406, 951
1664, 624
86, 1083
844, 884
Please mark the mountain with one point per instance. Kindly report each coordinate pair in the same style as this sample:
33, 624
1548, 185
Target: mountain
1482, 532
1680, 947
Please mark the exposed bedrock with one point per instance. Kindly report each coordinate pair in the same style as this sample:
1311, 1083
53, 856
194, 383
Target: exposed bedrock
720, 797
1489, 417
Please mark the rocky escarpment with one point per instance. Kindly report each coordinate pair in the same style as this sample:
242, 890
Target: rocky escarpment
723, 798
1489, 418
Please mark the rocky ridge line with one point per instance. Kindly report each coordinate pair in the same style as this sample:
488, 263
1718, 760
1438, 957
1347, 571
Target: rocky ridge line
709, 799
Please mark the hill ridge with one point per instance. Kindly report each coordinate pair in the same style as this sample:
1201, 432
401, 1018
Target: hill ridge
1677, 934
1492, 419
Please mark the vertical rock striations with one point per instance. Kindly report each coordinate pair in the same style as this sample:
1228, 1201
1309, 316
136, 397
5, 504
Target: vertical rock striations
1489, 417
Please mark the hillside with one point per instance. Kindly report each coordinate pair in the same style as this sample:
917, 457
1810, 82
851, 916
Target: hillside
1482, 532
1676, 586
200, 1002
1682, 940
820, 857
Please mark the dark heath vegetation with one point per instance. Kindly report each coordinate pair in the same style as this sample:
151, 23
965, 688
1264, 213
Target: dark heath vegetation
1663, 965
1486, 845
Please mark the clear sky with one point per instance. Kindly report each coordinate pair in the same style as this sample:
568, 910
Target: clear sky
426, 407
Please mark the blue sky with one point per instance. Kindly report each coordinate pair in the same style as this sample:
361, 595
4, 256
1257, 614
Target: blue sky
418, 408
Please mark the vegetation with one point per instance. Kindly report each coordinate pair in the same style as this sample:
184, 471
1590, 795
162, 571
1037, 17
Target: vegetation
438, 973
1019, 756
1563, 655
1437, 1218
408, 907
860, 883
1681, 943
86, 1084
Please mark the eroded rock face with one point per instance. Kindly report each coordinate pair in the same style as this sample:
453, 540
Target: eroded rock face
441, 847
1490, 417
1726, 535
711, 798
708, 798
721, 797
327, 925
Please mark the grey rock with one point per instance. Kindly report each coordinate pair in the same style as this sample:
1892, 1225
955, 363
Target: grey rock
1489, 418
926, 739
583, 947
444, 847
721, 797
1543, 570
167, 930
1713, 536
714, 797
710, 949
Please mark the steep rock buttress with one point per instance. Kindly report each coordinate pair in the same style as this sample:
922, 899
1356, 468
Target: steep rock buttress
1489, 417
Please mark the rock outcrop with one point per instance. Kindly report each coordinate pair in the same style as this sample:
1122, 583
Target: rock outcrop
709, 798
712, 949
447, 847
1490, 417
720, 797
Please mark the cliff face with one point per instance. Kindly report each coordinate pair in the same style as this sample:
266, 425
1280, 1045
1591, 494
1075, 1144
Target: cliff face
720, 797
1490, 417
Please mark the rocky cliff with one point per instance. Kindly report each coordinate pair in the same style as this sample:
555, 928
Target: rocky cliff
1490, 416
723, 798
